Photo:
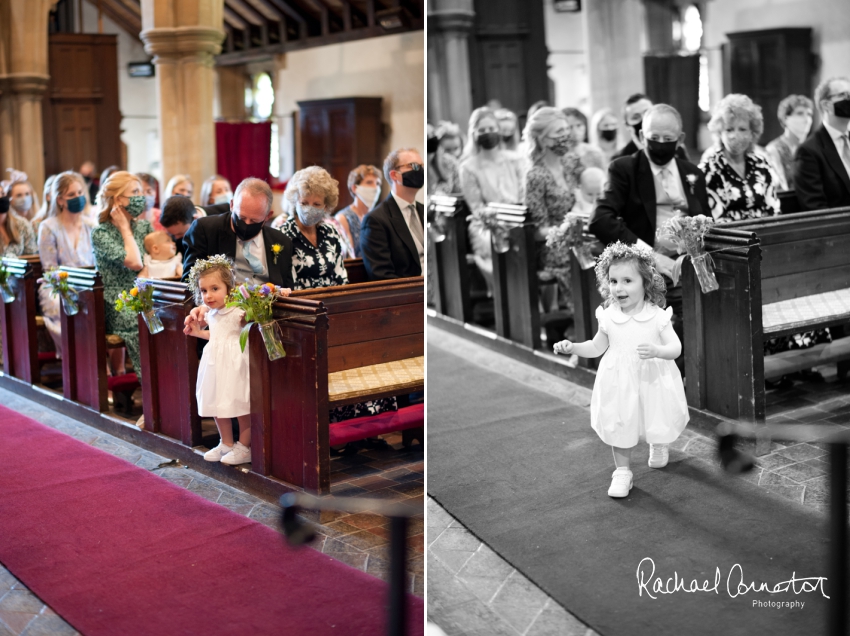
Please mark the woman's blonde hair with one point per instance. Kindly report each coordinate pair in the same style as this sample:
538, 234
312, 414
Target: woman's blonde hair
113, 187
61, 183
737, 106
475, 119
598, 117
312, 180
11, 229
537, 126
175, 181
207, 187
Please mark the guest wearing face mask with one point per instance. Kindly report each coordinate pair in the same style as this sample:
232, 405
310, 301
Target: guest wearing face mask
740, 182
16, 234
603, 133
118, 243
392, 236
633, 111
45, 204
150, 190
488, 174
822, 162
508, 129
590, 155
64, 238
364, 183
443, 166
795, 114
317, 247
243, 236
21, 194
216, 194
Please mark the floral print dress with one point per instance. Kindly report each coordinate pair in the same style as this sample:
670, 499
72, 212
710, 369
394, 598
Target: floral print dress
734, 198
26, 243
109, 255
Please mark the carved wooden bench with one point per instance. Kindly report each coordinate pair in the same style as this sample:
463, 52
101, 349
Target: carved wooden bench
18, 321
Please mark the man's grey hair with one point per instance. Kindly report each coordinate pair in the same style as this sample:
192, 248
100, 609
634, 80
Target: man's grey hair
662, 109
822, 90
391, 162
255, 187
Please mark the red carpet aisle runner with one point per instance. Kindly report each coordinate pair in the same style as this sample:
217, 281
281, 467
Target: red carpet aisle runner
115, 549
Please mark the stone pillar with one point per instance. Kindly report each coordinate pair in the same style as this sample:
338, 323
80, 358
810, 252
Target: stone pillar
614, 32
449, 85
183, 38
23, 80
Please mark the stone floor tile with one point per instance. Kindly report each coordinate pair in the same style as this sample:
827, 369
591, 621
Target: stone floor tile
473, 619
445, 590
7, 580
47, 625
365, 520
454, 547
554, 619
799, 472
18, 607
364, 540
519, 601
206, 491
801, 452
484, 573
773, 461
5, 631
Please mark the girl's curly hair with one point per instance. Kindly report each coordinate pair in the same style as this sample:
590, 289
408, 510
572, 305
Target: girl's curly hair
655, 290
218, 264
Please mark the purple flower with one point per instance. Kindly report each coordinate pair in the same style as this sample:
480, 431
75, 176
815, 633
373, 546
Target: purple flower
265, 291
244, 292
141, 285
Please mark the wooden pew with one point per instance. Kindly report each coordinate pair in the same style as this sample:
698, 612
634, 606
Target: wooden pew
778, 276
18, 320
344, 345
447, 257
356, 270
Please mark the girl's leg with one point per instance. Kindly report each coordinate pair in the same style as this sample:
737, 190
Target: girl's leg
622, 456
245, 430
116, 360
225, 430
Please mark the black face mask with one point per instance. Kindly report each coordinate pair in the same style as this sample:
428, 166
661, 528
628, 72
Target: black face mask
245, 231
413, 179
490, 140
661, 152
842, 108
608, 135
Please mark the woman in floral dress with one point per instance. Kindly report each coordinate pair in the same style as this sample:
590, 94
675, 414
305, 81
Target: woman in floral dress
119, 247
741, 184
550, 191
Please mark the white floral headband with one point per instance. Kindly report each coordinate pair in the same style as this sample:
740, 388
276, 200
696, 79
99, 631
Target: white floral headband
202, 265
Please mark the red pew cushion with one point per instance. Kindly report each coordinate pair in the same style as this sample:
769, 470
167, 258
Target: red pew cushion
374, 425
46, 356
123, 383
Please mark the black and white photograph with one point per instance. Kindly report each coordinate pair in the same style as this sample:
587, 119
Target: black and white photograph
638, 309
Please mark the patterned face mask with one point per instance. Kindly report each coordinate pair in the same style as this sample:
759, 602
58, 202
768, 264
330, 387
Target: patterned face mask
136, 207
309, 215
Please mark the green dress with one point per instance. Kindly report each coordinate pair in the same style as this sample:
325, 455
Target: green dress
109, 255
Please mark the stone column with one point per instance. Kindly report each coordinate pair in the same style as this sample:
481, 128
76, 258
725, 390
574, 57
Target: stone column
614, 36
183, 38
449, 85
23, 81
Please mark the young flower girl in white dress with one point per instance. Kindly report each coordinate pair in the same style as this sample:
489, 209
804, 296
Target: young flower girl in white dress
223, 390
638, 394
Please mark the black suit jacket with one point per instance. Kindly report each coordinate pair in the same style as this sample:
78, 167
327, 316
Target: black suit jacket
213, 235
216, 209
386, 243
820, 179
627, 210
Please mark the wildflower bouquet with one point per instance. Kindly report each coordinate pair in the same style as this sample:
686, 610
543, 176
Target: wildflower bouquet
140, 300
484, 220
689, 239
57, 281
257, 302
569, 236
7, 289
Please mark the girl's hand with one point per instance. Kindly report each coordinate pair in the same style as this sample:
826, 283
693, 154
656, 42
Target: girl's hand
192, 328
564, 347
285, 291
198, 314
646, 351
119, 218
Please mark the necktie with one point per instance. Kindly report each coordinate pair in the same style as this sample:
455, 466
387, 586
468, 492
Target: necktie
253, 260
414, 225
845, 152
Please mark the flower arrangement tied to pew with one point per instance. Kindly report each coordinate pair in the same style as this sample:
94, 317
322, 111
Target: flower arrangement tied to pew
140, 301
689, 237
7, 285
257, 301
57, 281
486, 220
569, 237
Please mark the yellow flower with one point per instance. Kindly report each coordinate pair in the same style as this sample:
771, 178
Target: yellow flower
134, 291
63, 275
277, 248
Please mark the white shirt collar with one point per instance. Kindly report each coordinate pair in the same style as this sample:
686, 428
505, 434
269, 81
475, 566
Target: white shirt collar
671, 166
620, 318
402, 204
834, 133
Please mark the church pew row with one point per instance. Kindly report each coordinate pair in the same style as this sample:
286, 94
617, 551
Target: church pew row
778, 276
18, 321
447, 257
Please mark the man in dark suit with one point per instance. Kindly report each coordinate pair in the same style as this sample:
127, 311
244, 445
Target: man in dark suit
822, 163
648, 188
633, 111
392, 237
242, 236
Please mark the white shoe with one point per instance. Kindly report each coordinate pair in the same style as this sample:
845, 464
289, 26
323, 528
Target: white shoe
621, 483
217, 453
658, 455
240, 454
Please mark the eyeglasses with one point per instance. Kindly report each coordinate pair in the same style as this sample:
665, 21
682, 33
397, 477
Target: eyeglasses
841, 96
413, 166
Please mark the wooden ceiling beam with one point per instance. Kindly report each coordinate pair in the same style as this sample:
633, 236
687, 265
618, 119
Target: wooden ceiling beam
246, 12
234, 20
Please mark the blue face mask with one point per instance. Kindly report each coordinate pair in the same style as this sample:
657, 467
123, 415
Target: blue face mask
223, 198
309, 215
76, 204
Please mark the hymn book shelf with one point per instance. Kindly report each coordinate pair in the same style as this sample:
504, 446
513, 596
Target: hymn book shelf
363, 324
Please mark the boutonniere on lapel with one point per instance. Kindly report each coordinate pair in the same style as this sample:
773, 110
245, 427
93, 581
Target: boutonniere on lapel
692, 179
277, 248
